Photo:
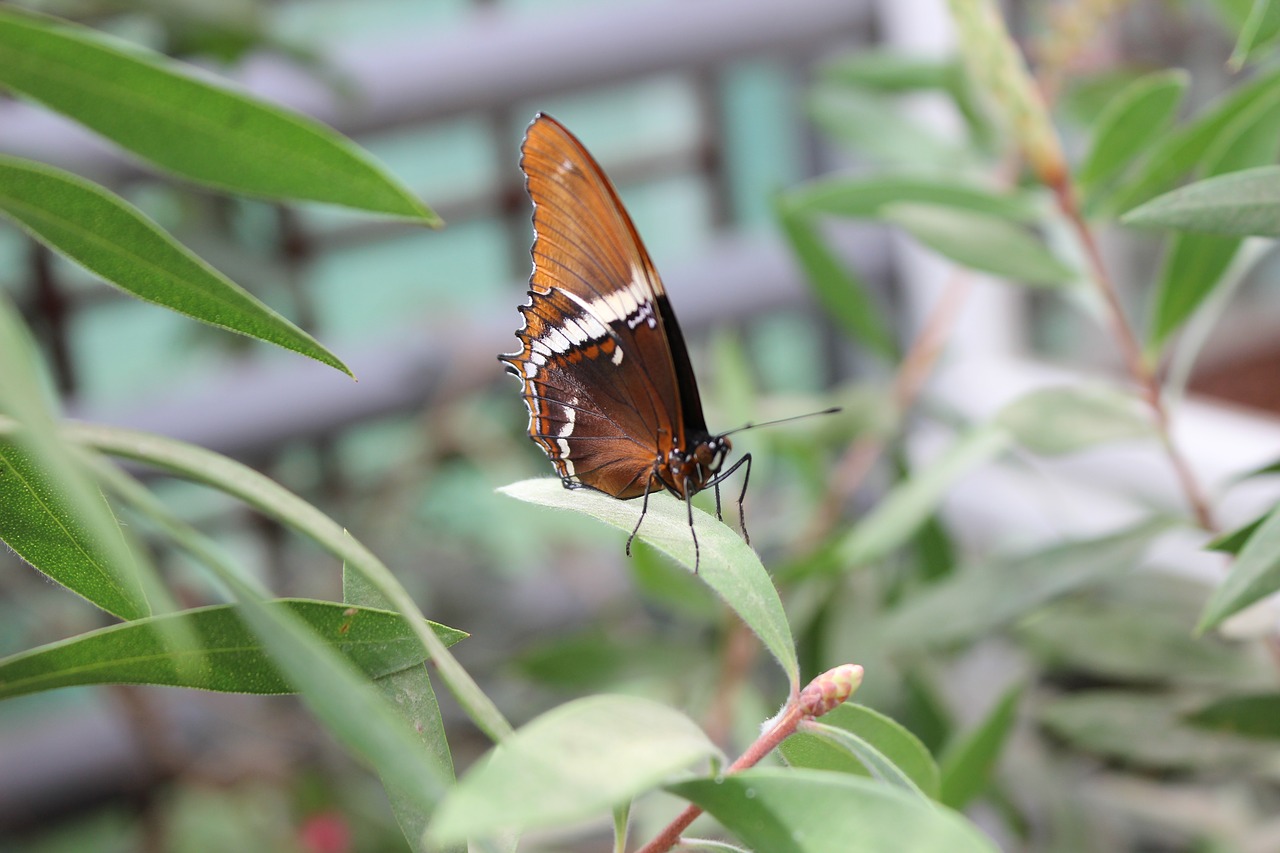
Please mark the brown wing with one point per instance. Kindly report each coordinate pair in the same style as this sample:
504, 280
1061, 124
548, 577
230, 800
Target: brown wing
603, 395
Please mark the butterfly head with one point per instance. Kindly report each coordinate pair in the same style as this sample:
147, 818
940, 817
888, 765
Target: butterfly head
692, 470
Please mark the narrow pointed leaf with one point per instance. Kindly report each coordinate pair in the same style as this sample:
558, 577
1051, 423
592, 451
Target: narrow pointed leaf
348, 705
985, 597
1239, 203
867, 196
728, 565
576, 761
910, 504
1177, 153
1256, 715
967, 763
1254, 575
1135, 118
982, 242
244, 483
1233, 541
42, 524
1070, 418
51, 513
227, 656
1196, 264
117, 242
410, 690
817, 811
1261, 27
182, 122
841, 293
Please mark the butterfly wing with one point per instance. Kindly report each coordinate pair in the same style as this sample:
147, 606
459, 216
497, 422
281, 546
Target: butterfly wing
606, 375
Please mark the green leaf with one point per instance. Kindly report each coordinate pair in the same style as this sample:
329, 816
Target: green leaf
883, 748
889, 71
1137, 116
1256, 715
273, 500
816, 811
1148, 642
968, 761
346, 703
1196, 264
1144, 730
874, 126
728, 565
1071, 417
410, 690
1261, 27
227, 656
1239, 203
982, 242
117, 242
42, 523
180, 121
1233, 541
1178, 152
985, 597
842, 294
1254, 575
867, 196
52, 515
910, 504
1192, 268
576, 761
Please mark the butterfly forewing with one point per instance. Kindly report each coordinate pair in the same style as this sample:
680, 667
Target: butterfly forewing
597, 364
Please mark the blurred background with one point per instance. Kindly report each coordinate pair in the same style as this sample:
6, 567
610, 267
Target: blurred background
700, 112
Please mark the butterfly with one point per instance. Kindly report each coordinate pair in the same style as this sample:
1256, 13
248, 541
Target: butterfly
605, 372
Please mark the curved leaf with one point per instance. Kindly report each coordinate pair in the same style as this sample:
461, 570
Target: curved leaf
982, 242
275, 501
728, 565
817, 811
880, 741
1136, 117
42, 523
573, 762
841, 293
1254, 575
411, 691
117, 242
911, 502
1178, 152
968, 761
51, 513
1239, 203
1254, 715
1070, 418
206, 132
228, 656
866, 196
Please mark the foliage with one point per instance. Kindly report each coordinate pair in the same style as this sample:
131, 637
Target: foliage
1109, 668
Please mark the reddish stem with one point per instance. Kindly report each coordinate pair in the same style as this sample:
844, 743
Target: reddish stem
1139, 369
783, 727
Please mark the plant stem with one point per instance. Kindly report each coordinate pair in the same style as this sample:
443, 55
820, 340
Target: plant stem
784, 726
827, 691
1139, 369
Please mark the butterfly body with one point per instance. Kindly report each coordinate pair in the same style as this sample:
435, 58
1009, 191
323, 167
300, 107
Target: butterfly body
605, 373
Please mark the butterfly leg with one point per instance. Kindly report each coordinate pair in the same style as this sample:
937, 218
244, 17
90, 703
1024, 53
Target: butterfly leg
644, 508
742, 496
688, 504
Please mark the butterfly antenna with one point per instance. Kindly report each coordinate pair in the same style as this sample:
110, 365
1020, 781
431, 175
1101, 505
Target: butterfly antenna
753, 425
